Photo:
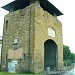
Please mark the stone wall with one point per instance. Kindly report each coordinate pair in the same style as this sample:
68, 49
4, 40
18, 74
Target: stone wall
30, 27
17, 28
44, 20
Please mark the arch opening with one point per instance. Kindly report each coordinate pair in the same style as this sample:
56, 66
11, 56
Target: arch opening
50, 55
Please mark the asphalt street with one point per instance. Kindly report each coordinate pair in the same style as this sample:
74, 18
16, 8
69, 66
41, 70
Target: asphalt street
71, 72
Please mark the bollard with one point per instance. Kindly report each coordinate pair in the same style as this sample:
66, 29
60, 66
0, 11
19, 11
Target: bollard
48, 71
44, 72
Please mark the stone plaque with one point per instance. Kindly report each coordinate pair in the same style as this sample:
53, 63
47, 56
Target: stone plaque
15, 54
51, 32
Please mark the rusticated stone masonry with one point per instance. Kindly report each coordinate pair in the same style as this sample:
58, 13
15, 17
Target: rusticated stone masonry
25, 32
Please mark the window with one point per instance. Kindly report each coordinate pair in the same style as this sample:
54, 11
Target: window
15, 41
15, 44
24, 55
6, 24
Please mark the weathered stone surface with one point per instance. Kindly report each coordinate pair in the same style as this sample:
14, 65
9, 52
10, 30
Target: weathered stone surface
0, 51
30, 26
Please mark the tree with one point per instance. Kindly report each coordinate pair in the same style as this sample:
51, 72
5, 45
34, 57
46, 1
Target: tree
66, 52
67, 62
72, 58
68, 57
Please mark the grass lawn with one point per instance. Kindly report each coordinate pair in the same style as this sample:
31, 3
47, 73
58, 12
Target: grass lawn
5, 73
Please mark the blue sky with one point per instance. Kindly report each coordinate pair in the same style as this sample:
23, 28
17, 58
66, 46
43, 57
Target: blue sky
67, 20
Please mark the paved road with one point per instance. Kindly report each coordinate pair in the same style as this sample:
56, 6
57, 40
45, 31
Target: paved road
71, 72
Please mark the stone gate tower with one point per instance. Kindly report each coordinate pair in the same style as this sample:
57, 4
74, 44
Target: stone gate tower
32, 37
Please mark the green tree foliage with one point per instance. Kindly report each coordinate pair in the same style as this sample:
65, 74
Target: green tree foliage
68, 57
67, 62
72, 58
66, 52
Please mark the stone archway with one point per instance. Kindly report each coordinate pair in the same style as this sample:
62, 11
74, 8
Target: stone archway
50, 55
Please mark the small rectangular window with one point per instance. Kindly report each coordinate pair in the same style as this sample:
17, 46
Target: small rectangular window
6, 24
24, 55
15, 41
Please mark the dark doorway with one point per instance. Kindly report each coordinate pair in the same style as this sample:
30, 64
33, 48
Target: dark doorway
50, 55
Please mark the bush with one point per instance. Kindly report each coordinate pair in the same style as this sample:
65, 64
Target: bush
67, 62
0, 67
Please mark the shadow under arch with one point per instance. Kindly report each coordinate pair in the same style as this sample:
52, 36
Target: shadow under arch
50, 54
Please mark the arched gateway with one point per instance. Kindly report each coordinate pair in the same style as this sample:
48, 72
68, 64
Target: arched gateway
26, 27
50, 55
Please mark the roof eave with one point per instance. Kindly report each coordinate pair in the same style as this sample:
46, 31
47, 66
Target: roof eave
45, 4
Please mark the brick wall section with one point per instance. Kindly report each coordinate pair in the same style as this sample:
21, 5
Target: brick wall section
30, 27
